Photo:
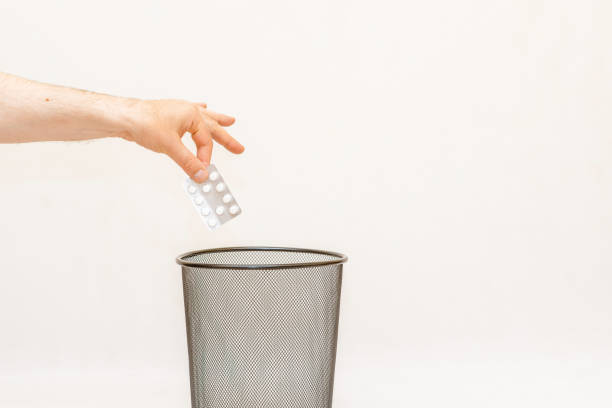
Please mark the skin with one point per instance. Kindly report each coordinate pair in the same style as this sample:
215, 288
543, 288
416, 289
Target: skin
34, 112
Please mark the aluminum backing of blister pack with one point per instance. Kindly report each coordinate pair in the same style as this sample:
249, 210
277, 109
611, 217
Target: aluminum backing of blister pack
212, 199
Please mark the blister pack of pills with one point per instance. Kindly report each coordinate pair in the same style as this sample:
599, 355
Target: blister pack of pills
212, 199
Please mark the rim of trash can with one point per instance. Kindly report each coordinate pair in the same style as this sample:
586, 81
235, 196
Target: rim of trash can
181, 259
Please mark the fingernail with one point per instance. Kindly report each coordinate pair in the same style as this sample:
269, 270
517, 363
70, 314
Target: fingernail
200, 176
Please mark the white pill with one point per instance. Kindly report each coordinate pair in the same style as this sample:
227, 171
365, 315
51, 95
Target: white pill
220, 187
234, 209
227, 198
206, 188
199, 200
220, 210
213, 176
191, 189
212, 222
205, 211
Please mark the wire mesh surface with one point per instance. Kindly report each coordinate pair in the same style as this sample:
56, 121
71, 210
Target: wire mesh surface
262, 338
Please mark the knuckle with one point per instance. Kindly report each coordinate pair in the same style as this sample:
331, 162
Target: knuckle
195, 110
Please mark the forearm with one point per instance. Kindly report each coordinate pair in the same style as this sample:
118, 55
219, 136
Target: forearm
32, 111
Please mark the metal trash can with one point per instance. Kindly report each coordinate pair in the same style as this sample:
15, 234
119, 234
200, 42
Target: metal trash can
262, 326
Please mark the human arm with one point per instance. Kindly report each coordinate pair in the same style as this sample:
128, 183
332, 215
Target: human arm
32, 112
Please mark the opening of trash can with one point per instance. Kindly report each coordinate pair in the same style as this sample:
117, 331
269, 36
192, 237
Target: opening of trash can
259, 258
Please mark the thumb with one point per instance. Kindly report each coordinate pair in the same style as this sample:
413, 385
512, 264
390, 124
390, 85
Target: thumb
187, 161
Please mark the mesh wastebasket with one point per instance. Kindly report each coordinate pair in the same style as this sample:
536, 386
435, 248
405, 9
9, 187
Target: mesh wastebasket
262, 326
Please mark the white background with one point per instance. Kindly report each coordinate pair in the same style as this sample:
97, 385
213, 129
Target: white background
459, 152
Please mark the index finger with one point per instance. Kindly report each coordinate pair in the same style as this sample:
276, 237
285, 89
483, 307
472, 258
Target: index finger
220, 118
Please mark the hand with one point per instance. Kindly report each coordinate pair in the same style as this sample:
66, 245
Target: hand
159, 125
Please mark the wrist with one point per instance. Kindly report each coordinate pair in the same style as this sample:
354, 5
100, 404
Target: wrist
129, 116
